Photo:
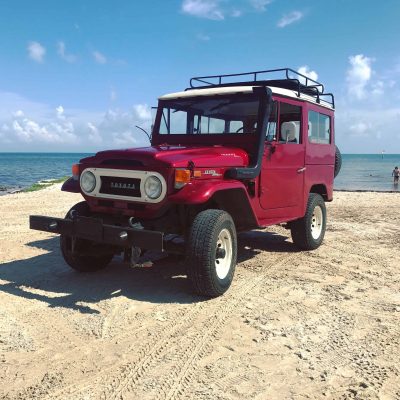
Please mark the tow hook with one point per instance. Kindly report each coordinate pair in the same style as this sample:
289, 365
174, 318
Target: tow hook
133, 254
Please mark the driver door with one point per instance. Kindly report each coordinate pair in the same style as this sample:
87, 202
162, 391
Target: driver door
282, 174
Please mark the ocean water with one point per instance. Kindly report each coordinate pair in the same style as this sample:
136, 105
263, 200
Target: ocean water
20, 170
368, 172
359, 171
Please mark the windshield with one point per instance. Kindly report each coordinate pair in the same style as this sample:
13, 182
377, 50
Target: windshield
233, 114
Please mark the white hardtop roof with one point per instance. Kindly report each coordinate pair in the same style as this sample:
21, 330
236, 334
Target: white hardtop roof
243, 89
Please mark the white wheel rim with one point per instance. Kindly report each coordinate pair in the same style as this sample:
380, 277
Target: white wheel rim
223, 264
317, 221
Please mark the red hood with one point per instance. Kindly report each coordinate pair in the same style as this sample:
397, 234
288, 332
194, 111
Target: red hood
174, 156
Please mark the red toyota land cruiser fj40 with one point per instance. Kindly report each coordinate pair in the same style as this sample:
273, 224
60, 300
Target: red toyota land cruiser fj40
231, 153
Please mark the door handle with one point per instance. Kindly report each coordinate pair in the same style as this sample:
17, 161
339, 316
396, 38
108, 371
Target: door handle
299, 171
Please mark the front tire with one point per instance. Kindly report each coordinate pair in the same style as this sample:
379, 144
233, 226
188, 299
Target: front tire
211, 253
91, 261
309, 231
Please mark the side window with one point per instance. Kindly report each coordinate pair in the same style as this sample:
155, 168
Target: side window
289, 123
236, 126
324, 129
212, 125
271, 127
173, 121
313, 128
319, 128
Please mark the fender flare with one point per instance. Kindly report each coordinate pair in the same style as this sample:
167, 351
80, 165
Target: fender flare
71, 185
229, 195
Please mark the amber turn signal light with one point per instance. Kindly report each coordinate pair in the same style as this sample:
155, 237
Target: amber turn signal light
75, 171
182, 177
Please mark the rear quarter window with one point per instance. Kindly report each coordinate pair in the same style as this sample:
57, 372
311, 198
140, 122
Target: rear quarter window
319, 128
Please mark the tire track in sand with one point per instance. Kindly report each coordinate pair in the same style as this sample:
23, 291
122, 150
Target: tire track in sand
184, 352
116, 378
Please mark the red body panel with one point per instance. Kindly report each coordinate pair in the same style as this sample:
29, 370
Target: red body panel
279, 194
174, 156
198, 192
320, 158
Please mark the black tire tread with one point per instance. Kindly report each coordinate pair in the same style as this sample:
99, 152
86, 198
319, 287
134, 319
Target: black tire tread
82, 263
201, 238
300, 229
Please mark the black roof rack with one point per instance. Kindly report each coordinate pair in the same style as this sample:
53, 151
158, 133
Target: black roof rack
292, 80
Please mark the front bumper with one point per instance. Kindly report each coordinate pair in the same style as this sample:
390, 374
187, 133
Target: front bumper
93, 229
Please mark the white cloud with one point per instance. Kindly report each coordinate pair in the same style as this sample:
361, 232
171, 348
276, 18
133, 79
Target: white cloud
366, 129
360, 128
142, 111
236, 13
260, 5
94, 135
13, 104
378, 88
41, 128
36, 51
61, 51
27, 130
290, 18
60, 112
58, 130
124, 139
209, 9
221, 9
358, 75
367, 114
99, 57
304, 70
18, 113
203, 37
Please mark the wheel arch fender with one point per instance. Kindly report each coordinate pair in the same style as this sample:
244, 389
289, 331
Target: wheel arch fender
230, 196
321, 190
71, 185
237, 204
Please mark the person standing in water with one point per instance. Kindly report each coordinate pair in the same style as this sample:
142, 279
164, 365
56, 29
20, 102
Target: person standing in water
396, 175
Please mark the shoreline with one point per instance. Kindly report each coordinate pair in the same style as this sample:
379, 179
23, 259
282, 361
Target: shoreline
51, 182
42, 184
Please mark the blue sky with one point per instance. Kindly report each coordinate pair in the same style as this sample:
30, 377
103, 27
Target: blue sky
78, 75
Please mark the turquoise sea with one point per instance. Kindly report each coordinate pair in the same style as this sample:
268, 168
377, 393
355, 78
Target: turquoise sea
359, 171
367, 172
20, 170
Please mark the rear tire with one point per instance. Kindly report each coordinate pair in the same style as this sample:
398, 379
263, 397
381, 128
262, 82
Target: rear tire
308, 232
211, 253
78, 262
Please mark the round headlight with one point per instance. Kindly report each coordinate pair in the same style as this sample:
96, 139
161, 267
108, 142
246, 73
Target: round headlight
153, 187
88, 182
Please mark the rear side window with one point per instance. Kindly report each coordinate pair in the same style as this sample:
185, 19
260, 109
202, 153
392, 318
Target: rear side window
319, 128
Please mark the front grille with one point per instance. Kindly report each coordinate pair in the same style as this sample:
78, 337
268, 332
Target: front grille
120, 186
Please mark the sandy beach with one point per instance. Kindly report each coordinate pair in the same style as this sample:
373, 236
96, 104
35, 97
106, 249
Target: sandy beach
294, 325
